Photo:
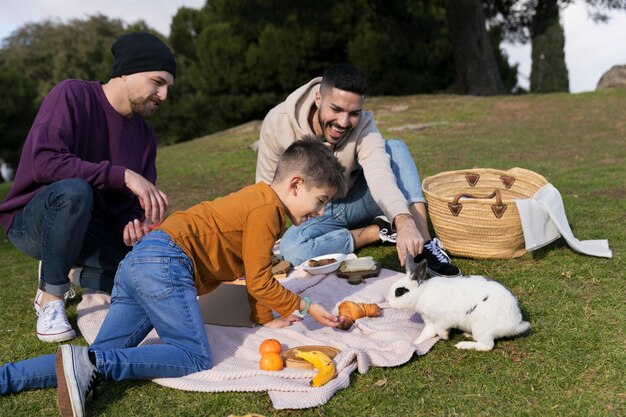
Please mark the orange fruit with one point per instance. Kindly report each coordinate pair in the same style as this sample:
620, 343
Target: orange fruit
271, 361
270, 345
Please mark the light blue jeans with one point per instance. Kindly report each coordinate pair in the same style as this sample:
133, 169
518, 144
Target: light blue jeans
154, 288
330, 233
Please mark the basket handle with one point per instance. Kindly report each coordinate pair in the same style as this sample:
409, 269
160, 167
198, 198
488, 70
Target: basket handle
472, 179
498, 209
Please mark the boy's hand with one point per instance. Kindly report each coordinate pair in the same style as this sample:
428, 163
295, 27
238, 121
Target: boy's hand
322, 316
134, 231
279, 322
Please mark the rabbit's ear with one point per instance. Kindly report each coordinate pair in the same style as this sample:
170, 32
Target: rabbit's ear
409, 264
418, 272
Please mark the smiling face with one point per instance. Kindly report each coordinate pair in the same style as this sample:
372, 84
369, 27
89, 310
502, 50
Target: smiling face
146, 91
306, 202
338, 112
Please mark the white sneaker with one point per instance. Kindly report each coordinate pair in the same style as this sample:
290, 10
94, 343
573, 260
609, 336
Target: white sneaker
52, 324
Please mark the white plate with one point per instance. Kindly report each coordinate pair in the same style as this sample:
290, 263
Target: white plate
324, 269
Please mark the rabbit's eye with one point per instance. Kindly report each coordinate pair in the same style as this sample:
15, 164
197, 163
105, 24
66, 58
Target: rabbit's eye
401, 291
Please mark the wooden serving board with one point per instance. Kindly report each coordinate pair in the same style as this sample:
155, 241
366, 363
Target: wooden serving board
355, 278
292, 361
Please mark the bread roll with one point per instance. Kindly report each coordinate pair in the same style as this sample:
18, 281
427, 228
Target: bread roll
352, 311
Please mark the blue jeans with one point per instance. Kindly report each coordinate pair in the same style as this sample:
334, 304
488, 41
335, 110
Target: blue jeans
330, 233
55, 227
154, 288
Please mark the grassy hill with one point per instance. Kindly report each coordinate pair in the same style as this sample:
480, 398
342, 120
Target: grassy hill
571, 363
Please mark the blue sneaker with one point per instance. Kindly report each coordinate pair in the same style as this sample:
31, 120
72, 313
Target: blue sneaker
76, 377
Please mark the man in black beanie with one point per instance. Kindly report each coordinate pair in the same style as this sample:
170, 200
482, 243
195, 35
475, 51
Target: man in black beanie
84, 191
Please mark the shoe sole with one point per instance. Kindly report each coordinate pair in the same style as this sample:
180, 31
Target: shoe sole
57, 337
64, 399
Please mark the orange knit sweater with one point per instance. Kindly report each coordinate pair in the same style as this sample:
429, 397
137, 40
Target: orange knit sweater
231, 237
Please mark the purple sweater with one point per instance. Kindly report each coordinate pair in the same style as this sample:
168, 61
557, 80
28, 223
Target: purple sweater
78, 134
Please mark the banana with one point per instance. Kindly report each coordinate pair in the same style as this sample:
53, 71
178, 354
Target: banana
322, 362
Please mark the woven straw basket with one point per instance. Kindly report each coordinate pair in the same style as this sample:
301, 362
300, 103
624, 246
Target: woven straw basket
473, 211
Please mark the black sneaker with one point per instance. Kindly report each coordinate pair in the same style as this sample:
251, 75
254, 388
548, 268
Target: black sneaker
385, 233
437, 261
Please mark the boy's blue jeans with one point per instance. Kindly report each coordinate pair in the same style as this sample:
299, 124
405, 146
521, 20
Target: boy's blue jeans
55, 227
154, 288
330, 233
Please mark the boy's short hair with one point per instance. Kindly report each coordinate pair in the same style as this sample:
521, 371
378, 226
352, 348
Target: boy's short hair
311, 159
344, 77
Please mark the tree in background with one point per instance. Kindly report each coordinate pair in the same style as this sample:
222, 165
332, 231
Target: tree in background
538, 22
17, 112
49, 52
549, 71
477, 71
248, 55
402, 46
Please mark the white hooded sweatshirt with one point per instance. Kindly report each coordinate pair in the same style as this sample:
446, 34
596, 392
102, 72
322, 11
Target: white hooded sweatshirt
363, 148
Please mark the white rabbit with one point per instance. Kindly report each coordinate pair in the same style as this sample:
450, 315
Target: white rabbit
473, 304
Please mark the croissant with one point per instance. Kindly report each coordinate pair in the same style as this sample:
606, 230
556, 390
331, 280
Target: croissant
352, 311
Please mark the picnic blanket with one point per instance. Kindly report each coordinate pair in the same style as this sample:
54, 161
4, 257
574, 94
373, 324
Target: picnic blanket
382, 341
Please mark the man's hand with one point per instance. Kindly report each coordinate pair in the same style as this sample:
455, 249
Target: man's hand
134, 231
409, 239
153, 201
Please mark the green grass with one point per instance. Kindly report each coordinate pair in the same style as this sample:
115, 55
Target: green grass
571, 364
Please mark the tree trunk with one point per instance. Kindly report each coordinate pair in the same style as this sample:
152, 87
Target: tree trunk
476, 69
548, 71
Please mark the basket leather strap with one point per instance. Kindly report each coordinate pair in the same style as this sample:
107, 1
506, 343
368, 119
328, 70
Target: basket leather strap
498, 209
472, 179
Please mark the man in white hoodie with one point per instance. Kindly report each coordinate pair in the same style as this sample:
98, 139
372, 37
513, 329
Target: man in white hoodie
382, 179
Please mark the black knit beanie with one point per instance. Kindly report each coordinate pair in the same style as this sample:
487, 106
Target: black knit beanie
141, 52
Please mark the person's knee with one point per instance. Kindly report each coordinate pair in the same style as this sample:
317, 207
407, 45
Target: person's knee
395, 144
291, 248
202, 362
77, 193
77, 187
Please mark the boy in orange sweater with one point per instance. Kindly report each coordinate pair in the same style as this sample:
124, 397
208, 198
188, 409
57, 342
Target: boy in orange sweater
156, 285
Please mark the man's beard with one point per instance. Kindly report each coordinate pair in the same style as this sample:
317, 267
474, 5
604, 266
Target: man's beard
323, 125
144, 107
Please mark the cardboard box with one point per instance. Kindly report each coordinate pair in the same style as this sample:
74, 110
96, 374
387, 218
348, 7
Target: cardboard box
227, 305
